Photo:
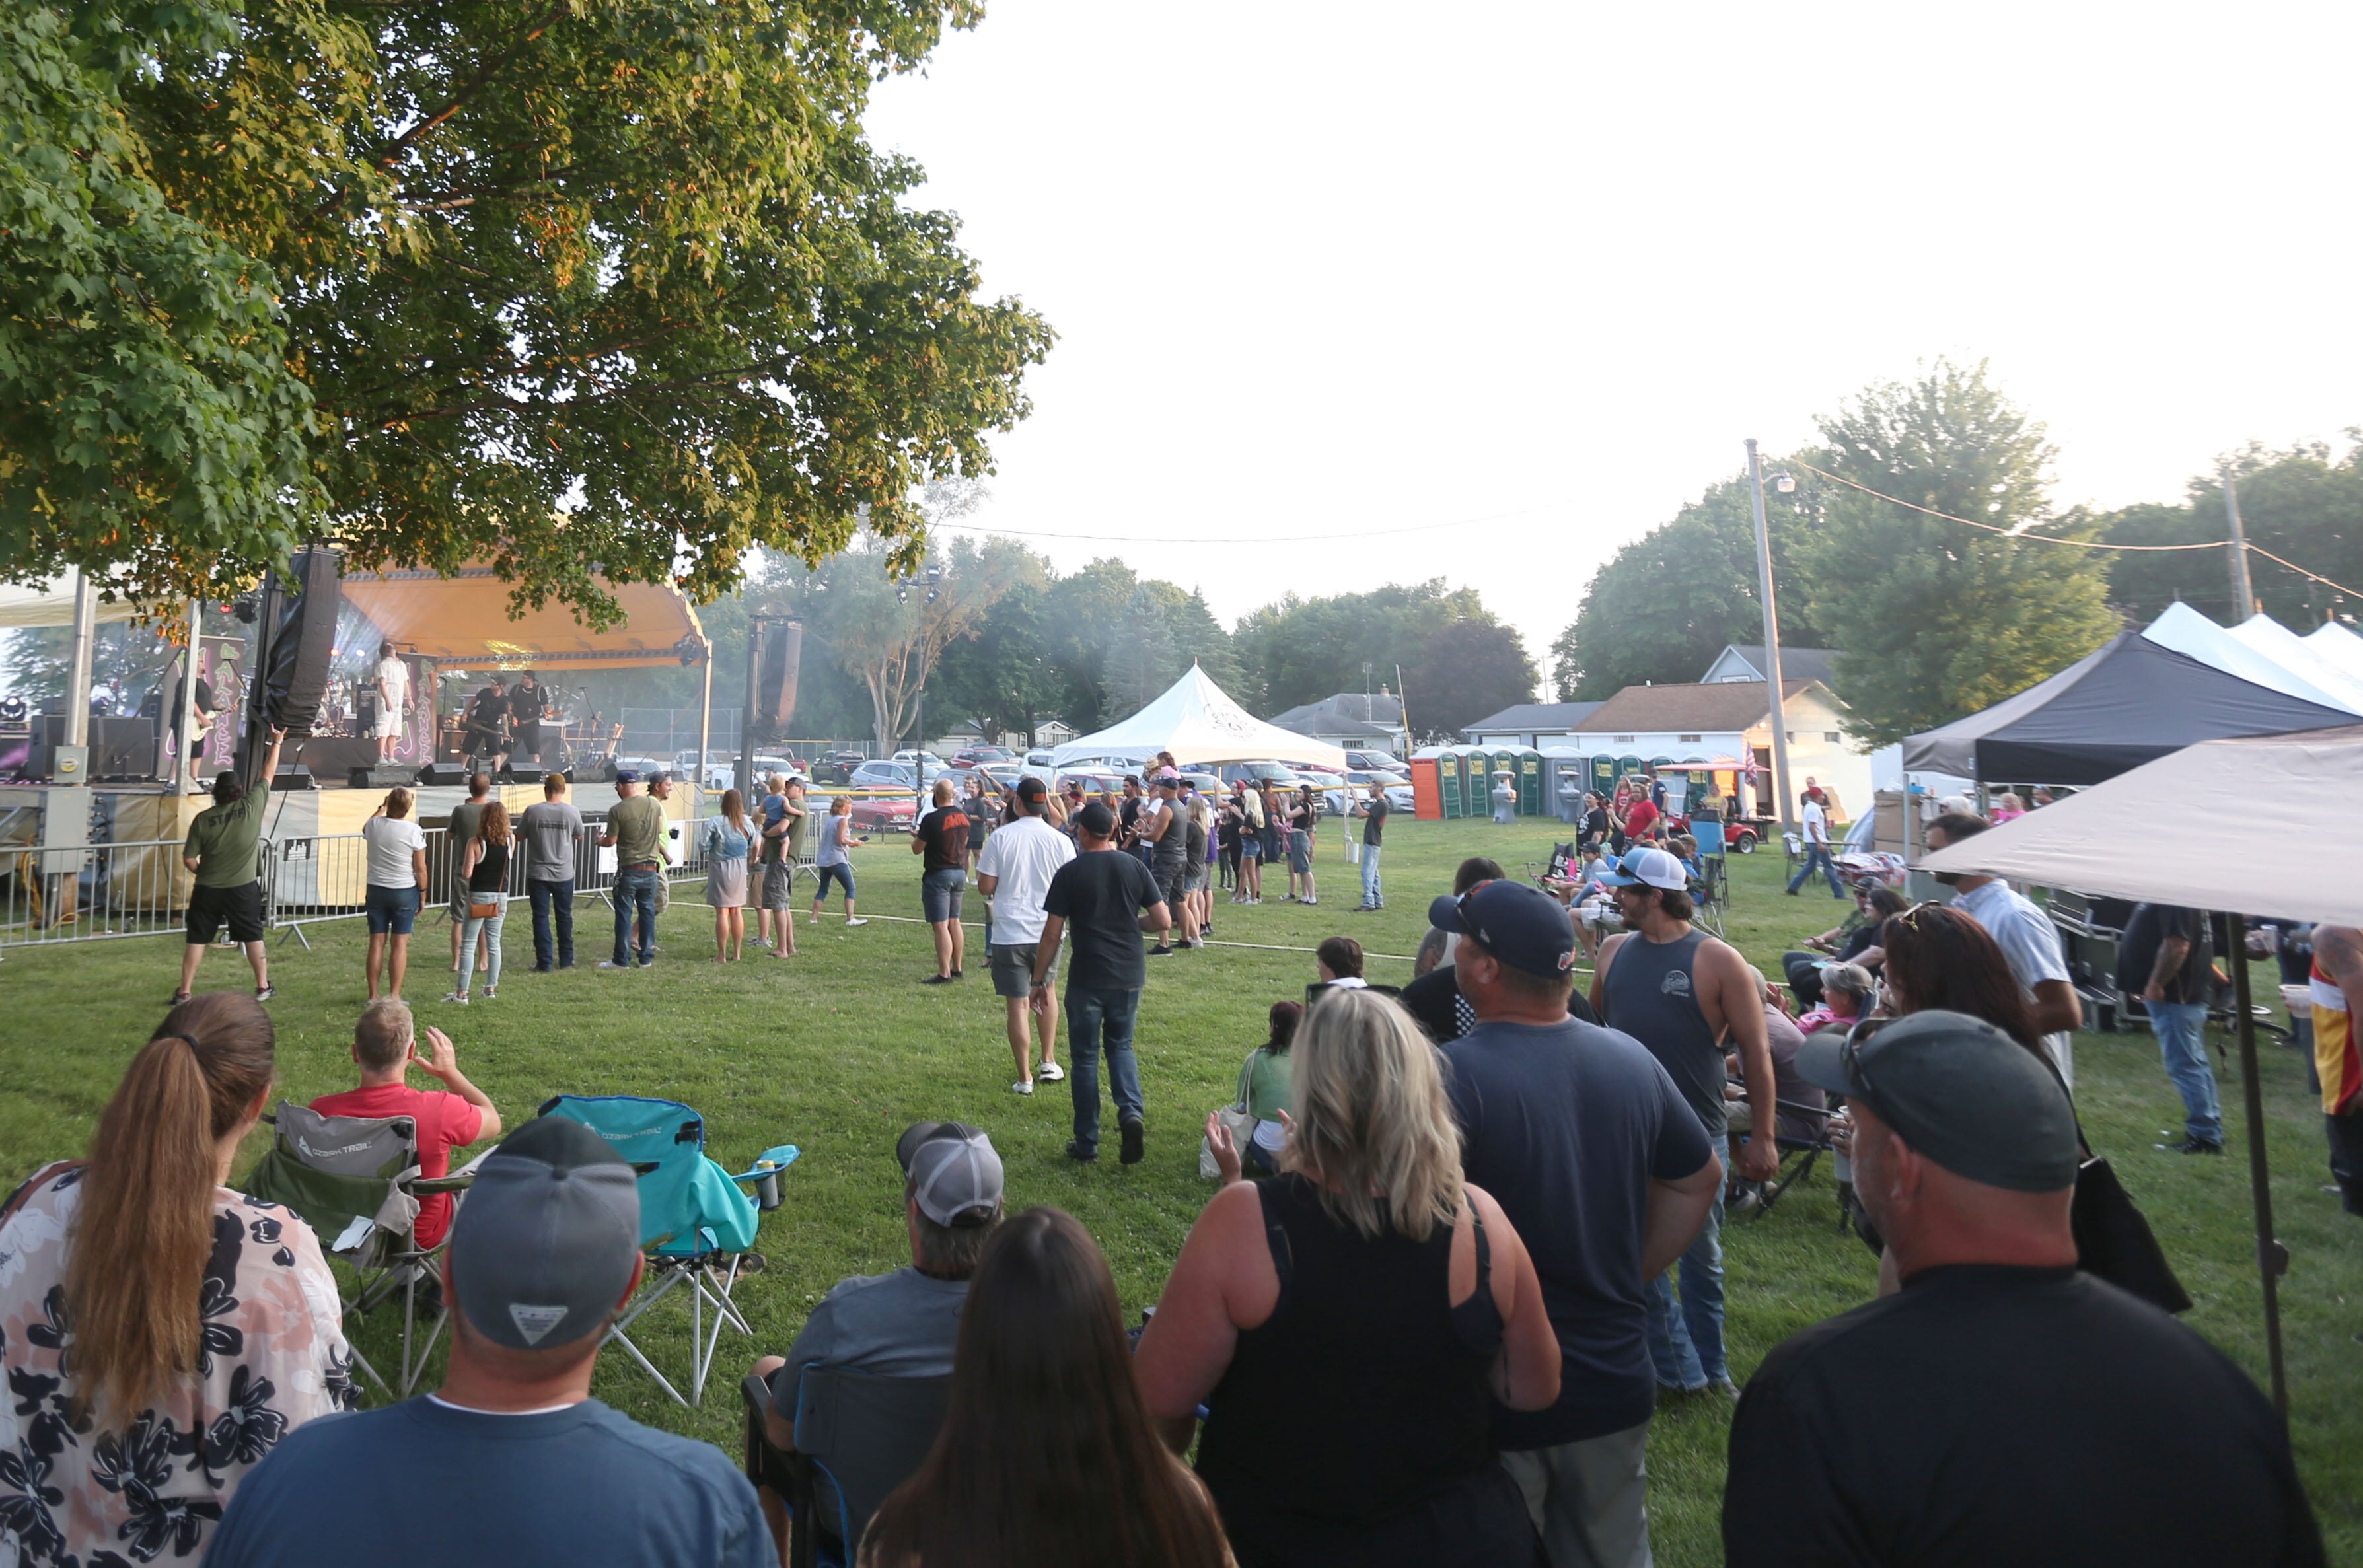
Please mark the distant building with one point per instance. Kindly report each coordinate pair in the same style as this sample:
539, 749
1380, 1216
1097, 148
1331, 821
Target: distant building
1746, 661
1355, 719
1528, 724
1733, 719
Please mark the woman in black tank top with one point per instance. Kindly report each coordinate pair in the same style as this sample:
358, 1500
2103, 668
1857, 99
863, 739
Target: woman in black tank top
1347, 1341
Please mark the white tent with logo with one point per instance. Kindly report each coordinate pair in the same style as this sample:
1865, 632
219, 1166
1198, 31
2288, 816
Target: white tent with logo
1199, 724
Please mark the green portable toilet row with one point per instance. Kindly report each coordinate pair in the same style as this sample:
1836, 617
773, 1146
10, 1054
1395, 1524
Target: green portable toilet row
1531, 800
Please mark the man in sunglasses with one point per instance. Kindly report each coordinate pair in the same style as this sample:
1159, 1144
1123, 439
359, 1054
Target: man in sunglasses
1683, 995
2002, 1407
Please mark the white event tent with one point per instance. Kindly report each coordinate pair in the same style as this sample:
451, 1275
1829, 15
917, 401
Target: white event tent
2184, 829
2255, 655
2291, 651
52, 604
1198, 722
2340, 646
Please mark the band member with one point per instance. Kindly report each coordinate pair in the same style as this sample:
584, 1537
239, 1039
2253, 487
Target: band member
488, 718
526, 703
393, 679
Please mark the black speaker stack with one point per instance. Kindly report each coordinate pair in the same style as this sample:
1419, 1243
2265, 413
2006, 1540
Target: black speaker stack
775, 679
385, 778
296, 777
297, 624
522, 773
440, 775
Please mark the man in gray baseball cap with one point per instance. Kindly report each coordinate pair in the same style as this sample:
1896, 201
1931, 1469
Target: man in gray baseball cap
903, 1324
2002, 1406
511, 1461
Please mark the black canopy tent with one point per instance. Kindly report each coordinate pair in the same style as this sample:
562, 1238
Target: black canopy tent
2129, 702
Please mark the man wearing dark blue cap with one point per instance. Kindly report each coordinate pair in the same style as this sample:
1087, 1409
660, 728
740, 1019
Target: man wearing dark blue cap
511, 1461
2003, 1406
1591, 1151
1100, 895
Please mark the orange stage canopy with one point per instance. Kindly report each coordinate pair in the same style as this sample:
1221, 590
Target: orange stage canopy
463, 620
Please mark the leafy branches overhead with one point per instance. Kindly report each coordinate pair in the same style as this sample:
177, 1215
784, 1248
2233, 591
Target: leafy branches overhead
605, 286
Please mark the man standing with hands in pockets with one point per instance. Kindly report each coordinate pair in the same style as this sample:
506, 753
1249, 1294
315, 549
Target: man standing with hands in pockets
1102, 894
1013, 872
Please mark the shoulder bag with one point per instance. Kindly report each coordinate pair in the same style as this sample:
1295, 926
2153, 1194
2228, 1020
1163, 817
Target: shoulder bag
1235, 1117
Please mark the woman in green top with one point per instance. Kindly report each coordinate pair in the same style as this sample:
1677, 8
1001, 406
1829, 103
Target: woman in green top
1267, 1074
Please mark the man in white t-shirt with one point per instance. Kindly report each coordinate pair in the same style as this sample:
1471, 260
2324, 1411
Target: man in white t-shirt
2028, 940
1817, 847
1013, 872
393, 696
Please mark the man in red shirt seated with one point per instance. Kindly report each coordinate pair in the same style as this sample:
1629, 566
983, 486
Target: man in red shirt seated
384, 1047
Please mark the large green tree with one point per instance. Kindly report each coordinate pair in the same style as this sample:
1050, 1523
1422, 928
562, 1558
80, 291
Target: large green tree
1469, 669
1932, 618
606, 286
2305, 504
1301, 650
1662, 607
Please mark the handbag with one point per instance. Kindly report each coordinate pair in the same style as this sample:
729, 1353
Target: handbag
484, 911
2114, 1241
1235, 1117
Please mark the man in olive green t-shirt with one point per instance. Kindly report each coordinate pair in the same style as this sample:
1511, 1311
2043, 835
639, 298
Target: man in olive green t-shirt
635, 828
224, 850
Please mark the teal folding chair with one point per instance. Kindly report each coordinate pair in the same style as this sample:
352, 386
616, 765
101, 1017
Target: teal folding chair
696, 1227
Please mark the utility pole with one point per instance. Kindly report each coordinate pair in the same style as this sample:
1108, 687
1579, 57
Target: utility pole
2243, 601
1771, 638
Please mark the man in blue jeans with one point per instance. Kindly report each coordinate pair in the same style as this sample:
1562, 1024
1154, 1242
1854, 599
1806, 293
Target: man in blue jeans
1817, 847
2164, 959
635, 828
1102, 895
552, 832
1373, 813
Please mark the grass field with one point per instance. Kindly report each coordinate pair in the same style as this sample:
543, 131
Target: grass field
838, 1049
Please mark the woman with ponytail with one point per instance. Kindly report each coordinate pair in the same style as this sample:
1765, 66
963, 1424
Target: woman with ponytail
160, 1332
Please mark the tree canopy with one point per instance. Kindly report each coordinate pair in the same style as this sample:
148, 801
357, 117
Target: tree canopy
576, 288
2305, 504
1300, 650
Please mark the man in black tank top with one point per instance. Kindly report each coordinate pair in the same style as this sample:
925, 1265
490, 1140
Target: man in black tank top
1680, 992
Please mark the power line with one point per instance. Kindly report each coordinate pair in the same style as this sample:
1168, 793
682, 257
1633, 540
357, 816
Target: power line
1994, 528
1261, 538
2302, 572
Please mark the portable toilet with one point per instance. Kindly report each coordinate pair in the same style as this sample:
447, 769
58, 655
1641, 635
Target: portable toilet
1426, 786
1477, 780
1449, 782
1603, 770
1532, 801
1566, 776
1630, 766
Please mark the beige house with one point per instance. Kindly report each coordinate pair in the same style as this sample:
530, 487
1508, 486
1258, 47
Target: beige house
1734, 719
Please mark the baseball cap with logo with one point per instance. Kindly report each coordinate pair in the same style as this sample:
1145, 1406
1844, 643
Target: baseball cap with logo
1032, 791
954, 1173
1647, 868
543, 1249
1523, 927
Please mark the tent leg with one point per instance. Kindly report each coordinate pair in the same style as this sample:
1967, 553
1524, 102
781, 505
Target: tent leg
2272, 1258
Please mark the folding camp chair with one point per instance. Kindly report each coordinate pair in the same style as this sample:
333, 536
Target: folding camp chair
354, 1179
1798, 1158
696, 1227
1711, 892
858, 1436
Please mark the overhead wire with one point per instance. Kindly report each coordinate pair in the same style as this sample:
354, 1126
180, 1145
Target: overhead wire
1263, 539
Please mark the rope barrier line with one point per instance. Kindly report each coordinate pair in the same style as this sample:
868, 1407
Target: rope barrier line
1260, 947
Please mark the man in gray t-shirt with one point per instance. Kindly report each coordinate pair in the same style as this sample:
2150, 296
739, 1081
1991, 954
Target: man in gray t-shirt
905, 1323
553, 837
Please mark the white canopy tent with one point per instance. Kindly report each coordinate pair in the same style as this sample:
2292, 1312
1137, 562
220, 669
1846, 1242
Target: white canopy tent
2342, 647
2184, 829
2246, 654
1198, 722
52, 604
2293, 652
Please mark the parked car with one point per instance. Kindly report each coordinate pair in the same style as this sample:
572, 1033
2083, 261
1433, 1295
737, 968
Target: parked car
643, 766
1094, 779
1262, 773
971, 756
1377, 761
1037, 759
835, 767
1398, 791
878, 775
891, 813
928, 760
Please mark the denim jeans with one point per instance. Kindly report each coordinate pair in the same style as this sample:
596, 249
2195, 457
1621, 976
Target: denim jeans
489, 928
2182, 1031
553, 901
1370, 898
1817, 855
1094, 1019
1686, 1342
636, 888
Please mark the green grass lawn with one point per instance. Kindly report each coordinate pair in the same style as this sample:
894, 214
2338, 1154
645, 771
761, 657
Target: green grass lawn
841, 1048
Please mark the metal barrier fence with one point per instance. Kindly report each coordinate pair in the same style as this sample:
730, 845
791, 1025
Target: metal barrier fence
83, 892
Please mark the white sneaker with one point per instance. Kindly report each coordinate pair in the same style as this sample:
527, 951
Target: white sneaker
1023, 1085
854, 923
1050, 1072
458, 998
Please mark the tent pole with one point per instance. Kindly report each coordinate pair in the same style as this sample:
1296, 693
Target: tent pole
704, 729
2272, 1258
185, 723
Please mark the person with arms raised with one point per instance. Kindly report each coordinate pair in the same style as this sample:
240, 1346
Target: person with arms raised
2002, 1407
511, 1461
1681, 993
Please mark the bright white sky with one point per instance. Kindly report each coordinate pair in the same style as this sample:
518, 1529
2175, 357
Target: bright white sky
1332, 270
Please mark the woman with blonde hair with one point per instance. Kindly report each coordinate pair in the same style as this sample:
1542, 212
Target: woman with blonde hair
730, 839
1367, 1254
484, 868
161, 1333
832, 858
397, 850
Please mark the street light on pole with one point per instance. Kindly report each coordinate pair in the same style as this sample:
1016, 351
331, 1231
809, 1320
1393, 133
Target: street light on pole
1784, 484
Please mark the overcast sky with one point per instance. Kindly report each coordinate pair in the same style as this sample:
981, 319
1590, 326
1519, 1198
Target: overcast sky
1532, 273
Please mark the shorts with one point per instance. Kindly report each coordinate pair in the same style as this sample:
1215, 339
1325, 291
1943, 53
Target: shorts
778, 885
939, 894
1172, 874
389, 724
1013, 969
1193, 879
391, 910
1250, 846
840, 872
1300, 851
242, 908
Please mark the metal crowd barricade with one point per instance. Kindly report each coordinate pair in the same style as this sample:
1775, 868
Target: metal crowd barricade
83, 893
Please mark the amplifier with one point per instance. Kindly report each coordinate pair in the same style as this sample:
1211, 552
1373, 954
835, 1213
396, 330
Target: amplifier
385, 778
296, 777
521, 773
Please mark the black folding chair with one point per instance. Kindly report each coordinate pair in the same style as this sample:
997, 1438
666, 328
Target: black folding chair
1798, 1156
858, 1436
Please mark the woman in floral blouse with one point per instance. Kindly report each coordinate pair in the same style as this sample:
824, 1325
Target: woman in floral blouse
160, 1332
